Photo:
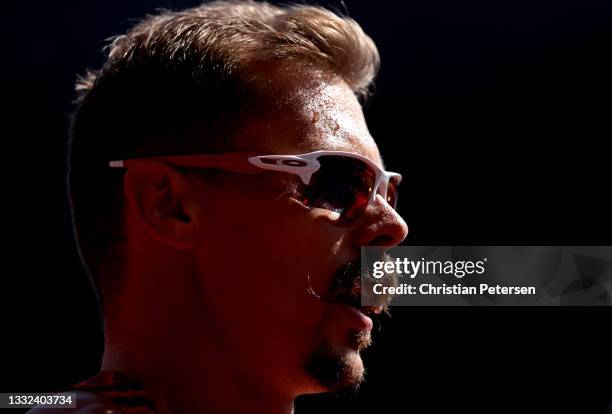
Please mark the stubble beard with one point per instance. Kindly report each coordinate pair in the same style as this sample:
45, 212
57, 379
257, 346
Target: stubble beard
334, 370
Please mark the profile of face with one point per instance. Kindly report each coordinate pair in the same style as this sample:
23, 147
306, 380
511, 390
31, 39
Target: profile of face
263, 260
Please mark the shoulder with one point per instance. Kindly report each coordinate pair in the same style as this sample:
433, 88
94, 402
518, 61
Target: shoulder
86, 403
108, 392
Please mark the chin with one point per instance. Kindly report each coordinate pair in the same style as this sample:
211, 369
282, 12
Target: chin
335, 370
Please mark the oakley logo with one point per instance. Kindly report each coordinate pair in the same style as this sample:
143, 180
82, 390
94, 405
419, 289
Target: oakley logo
290, 163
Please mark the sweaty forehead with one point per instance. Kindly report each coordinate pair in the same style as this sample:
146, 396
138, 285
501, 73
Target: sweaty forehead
308, 112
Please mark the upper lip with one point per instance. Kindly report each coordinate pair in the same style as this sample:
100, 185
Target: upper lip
371, 310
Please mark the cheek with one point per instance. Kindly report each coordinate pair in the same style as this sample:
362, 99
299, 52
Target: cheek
254, 267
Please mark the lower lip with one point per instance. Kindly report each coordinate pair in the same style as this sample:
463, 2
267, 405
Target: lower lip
365, 322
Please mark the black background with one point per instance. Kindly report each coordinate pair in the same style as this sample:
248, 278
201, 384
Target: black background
498, 115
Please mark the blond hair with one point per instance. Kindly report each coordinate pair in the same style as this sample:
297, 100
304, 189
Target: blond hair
240, 32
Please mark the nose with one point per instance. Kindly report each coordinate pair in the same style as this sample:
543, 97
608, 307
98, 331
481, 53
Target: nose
381, 225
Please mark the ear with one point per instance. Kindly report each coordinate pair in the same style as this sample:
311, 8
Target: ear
163, 202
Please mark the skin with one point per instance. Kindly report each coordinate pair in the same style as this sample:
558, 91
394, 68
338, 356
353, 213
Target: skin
214, 315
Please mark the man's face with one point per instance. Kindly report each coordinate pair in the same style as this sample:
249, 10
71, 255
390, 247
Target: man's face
263, 256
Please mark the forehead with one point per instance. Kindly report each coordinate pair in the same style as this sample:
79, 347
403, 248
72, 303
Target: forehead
308, 112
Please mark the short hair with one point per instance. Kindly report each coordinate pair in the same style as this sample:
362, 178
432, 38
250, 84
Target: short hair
175, 84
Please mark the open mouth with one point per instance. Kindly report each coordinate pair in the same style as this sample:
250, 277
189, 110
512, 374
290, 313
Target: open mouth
346, 290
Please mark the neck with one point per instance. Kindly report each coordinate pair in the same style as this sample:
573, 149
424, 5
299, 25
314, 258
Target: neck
206, 384
181, 369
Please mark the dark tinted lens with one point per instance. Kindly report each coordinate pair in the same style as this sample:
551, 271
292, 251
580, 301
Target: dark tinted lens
392, 192
342, 184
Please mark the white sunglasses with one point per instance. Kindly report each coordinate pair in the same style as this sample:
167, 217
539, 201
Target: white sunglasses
339, 181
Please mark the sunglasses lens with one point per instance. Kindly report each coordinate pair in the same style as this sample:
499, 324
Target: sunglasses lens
392, 192
342, 184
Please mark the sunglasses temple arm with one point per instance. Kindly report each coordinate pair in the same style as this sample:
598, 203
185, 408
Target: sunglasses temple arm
235, 163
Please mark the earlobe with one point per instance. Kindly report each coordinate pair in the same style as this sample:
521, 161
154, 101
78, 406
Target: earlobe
160, 203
